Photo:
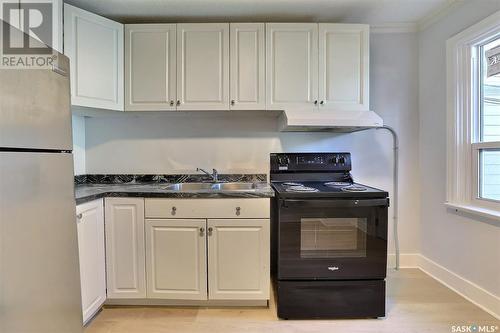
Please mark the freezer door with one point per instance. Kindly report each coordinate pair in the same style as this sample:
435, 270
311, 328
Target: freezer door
35, 107
39, 269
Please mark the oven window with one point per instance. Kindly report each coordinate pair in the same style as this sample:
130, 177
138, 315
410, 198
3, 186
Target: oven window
333, 237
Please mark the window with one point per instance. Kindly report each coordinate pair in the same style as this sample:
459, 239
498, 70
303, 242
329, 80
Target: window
474, 119
489, 126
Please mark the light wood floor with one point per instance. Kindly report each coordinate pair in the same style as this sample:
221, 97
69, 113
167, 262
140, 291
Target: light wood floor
416, 303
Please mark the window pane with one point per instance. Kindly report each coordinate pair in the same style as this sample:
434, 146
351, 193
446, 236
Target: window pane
490, 174
490, 99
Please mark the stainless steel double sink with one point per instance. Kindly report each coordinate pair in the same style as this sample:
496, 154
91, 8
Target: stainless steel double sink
196, 187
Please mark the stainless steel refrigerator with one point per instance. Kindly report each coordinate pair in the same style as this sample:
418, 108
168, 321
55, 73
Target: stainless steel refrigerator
39, 269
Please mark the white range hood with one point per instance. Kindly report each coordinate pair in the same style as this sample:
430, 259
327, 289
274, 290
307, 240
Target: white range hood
328, 121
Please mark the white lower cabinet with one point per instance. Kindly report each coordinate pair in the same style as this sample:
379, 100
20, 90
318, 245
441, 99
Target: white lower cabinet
193, 250
125, 248
208, 249
175, 259
90, 226
238, 259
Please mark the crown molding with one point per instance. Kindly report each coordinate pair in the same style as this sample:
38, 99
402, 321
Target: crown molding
422, 24
437, 14
394, 28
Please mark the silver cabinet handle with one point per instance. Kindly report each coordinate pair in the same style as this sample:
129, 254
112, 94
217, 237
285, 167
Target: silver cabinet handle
202, 231
79, 216
238, 211
178, 103
210, 230
174, 210
171, 103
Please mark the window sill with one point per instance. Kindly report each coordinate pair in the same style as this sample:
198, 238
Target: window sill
475, 210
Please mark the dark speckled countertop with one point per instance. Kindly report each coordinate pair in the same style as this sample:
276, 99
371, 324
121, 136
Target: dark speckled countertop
92, 187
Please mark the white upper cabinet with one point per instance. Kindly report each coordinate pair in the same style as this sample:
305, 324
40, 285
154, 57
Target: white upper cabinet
90, 226
203, 66
292, 66
94, 45
125, 248
150, 67
344, 67
248, 81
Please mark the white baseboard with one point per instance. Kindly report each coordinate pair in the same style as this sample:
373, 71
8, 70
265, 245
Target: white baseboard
465, 288
406, 260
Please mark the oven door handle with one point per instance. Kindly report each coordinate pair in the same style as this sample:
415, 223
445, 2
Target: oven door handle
337, 203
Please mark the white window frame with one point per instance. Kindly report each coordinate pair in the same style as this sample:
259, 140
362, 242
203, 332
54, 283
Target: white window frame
463, 98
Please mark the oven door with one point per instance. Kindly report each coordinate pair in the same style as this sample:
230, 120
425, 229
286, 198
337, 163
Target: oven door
332, 239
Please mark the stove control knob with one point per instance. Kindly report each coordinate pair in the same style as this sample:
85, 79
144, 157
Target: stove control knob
341, 160
335, 160
283, 160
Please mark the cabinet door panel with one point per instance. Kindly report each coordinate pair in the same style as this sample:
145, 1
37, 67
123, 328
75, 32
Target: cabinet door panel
247, 66
176, 259
203, 66
344, 66
292, 65
125, 257
94, 45
90, 225
150, 66
238, 259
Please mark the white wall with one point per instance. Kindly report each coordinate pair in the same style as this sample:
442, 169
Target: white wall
462, 245
167, 144
79, 144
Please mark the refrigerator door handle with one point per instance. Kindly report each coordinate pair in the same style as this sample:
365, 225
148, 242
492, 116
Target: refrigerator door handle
59, 70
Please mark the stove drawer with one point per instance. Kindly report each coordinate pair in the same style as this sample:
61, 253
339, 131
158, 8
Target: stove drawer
207, 208
331, 299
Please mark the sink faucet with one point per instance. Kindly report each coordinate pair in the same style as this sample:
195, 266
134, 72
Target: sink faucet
214, 174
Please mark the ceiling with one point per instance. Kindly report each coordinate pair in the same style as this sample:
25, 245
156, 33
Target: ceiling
375, 12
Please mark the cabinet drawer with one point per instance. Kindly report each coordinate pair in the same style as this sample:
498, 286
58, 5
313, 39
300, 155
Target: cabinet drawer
207, 208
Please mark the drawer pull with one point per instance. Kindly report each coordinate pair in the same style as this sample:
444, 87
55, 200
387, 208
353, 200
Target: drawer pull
210, 230
202, 231
238, 211
79, 216
174, 210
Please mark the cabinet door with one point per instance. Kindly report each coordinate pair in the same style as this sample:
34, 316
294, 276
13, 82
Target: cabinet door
247, 82
176, 259
94, 45
90, 225
150, 67
203, 66
344, 67
292, 66
238, 259
125, 257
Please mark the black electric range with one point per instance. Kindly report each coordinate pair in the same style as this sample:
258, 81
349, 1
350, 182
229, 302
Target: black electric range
329, 238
